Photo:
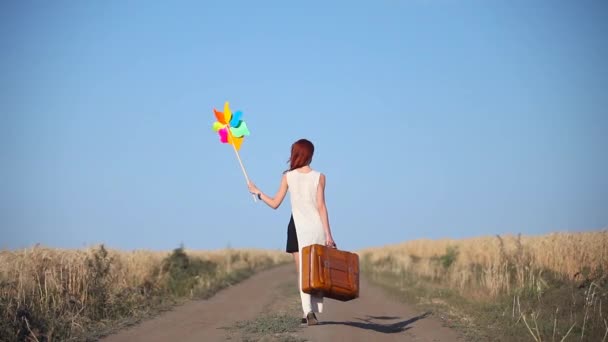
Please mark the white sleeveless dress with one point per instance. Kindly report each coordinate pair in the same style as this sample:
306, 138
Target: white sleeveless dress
309, 227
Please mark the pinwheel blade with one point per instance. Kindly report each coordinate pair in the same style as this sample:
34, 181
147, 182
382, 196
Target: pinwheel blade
219, 116
217, 126
235, 141
227, 112
223, 135
236, 118
240, 130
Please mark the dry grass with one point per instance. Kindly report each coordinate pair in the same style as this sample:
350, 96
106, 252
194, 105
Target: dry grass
553, 286
58, 294
497, 264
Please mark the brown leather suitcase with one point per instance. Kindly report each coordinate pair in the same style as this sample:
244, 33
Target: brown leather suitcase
330, 272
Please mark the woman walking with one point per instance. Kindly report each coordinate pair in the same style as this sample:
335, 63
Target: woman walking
310, 218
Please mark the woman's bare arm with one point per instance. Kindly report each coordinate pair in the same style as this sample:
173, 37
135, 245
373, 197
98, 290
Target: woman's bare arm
273, 202
322, 207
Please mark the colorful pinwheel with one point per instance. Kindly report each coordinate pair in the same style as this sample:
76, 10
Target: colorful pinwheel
231, 128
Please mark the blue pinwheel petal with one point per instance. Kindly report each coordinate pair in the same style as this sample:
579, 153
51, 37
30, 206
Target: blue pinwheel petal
236, 117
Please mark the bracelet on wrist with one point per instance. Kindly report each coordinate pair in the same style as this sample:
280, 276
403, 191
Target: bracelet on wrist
260, 196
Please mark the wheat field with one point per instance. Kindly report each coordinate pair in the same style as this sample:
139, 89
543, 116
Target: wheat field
64, 294
499, 263
551, 287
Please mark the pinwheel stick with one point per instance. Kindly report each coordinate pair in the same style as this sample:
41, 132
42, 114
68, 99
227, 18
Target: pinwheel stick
242, 166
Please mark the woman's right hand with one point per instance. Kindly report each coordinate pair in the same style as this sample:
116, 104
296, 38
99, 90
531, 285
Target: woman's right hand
329, 242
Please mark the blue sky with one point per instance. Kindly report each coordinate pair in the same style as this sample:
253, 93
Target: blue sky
431, 119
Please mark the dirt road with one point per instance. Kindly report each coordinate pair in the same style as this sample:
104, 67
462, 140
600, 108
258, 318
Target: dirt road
266, 307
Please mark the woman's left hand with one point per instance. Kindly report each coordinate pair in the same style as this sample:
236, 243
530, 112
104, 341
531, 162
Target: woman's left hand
253, 189
329, 242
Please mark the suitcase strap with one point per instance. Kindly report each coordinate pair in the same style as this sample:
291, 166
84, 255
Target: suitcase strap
326, 279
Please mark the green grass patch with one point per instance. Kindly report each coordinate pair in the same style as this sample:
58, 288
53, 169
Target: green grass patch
267, 327
279, 320
270, 324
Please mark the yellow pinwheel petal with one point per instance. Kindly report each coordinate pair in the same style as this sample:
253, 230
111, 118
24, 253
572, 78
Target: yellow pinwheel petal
227, 112
237, 142
217, 126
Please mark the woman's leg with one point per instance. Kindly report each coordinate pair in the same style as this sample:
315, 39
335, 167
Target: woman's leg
309, 303
296, 258
306, 298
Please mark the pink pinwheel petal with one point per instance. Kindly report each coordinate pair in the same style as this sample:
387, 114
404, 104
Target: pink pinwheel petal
223, 135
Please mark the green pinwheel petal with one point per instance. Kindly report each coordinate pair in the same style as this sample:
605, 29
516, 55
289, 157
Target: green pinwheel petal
240, 130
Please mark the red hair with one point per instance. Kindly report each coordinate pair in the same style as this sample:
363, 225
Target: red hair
301, 154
